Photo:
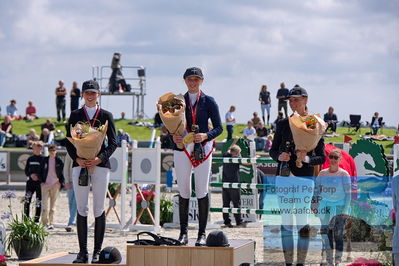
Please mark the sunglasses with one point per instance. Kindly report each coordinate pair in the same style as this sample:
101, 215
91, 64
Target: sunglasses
52, 150
333, 157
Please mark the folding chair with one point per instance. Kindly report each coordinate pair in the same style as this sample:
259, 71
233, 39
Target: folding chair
354, 122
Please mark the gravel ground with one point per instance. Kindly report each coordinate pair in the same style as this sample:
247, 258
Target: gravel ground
60, 241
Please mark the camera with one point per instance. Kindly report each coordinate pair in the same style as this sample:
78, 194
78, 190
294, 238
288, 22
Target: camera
83, 177
199, 152
284, 167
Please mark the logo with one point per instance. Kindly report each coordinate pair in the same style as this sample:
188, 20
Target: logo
371, 165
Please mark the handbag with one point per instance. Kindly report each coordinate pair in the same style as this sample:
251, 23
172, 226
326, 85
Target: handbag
155, 241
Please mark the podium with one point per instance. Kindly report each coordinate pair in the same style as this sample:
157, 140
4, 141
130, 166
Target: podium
238, 252
61, 259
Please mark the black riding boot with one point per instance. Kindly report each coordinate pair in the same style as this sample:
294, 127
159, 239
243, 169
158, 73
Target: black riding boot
81, 225
183, 216
203, 210
99, 230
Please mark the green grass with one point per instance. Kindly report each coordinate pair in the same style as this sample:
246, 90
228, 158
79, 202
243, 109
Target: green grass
143, 133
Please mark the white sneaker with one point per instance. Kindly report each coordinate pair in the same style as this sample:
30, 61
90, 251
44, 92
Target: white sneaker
50, 227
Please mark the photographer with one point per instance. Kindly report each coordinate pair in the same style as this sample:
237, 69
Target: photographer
290, 176
117, 82
199, 109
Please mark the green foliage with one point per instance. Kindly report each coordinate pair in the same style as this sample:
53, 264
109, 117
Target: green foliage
25, 228
112, 187
166, 210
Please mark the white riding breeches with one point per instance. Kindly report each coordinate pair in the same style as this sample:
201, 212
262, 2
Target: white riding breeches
99, 182
183, 169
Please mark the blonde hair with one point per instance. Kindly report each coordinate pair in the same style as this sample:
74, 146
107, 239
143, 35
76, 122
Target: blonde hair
337, 152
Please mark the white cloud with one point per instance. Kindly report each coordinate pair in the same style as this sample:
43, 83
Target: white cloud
53, 28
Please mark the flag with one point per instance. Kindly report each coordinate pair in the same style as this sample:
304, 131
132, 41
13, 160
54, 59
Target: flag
347, 139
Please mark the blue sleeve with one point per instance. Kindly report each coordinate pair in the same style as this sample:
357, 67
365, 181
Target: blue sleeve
214, 115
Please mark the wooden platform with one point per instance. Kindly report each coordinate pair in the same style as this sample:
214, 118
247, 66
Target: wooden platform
240, 251
61, 259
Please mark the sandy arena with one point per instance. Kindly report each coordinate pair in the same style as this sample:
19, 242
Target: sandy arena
59, 240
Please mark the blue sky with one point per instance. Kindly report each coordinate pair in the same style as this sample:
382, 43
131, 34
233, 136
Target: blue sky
345, 53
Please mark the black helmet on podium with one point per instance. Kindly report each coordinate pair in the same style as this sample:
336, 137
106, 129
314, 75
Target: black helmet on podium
217, 239
110, 255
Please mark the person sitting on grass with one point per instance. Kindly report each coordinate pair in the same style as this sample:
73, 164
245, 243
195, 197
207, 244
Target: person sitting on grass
31, 137
5, 130
249, 132
49, 125
47, 136
30, 112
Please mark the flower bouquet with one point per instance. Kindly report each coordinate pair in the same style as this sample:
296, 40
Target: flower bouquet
171, 109
3, 261
306, 132
88, 140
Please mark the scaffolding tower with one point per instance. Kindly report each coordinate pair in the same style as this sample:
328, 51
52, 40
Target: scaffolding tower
135, 76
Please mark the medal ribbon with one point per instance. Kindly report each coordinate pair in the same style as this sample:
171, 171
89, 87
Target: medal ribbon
94, 118
194, 111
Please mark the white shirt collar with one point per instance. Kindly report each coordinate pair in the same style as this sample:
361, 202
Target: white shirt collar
193, 97
91, 111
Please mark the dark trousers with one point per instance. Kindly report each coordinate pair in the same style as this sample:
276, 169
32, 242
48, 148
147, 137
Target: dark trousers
74, 105
333, 126
32, 187
282, 105
60, 103
231, 195
230, 129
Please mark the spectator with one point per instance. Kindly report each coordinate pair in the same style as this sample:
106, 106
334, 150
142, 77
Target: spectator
337, 203
51, 183
231, 174
60, 93
376, 123
279, 117
282, 96
12, 111
166, 139
230, 121
49, 125
255, 119
30, 112
331, 119
122, 135
70, 192
5, 130
265, 103
249, 132
75, 96
33, 171
31, 138
261, 133
47, 136
269, 142
123, 114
